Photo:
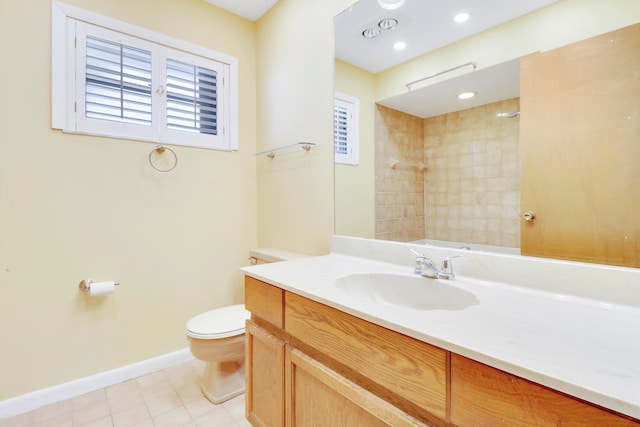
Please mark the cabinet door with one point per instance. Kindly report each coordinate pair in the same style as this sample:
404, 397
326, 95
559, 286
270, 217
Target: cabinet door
265, 377
486, 397
412, 370
579, 150
318, 396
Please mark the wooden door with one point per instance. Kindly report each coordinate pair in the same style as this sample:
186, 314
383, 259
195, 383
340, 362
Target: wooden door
580, 150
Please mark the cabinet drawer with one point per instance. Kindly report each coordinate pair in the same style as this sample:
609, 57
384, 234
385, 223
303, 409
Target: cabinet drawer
485, 396
264, 301
407, 367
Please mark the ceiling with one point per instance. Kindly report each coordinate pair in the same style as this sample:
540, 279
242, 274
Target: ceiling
427, 25
250, 9
491, 84
424, 25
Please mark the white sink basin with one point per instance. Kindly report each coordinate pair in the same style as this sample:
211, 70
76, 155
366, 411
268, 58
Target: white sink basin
409, 291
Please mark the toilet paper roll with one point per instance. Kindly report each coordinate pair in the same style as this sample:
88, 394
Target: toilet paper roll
102, 288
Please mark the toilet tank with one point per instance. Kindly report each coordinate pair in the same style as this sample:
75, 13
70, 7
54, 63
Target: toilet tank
267, 255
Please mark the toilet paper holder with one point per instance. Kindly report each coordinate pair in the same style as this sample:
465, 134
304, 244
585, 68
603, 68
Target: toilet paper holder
85, 285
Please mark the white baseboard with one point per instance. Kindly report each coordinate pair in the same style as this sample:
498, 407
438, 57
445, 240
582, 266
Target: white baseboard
30, 401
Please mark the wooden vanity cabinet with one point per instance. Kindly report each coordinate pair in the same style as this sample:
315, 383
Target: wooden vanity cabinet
286, 386
308, 364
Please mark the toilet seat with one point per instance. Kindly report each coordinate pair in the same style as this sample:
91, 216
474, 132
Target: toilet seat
218, 323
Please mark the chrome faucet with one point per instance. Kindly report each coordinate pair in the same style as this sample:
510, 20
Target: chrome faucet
426, 267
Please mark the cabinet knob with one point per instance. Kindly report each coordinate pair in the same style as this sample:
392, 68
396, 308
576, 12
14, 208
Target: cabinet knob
529, 216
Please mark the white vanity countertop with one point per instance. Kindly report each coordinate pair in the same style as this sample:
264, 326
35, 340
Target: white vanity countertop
583, 347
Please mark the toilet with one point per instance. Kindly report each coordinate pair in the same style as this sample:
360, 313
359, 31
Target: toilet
217, 338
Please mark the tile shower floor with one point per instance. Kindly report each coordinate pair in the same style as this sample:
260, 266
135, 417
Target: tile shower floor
167, 398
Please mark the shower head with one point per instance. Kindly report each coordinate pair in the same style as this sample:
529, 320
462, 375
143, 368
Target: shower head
510, 115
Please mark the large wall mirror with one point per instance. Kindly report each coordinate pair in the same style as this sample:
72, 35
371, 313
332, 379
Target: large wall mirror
433, 167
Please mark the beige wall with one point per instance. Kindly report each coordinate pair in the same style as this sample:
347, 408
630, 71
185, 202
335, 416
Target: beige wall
295, 103
79, 206
354, 190
75, 206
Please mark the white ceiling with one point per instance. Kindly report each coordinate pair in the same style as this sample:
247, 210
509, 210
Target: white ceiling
250, 9
491, 84
425, 25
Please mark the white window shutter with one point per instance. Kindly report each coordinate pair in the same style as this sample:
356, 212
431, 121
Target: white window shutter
345, 129
113, 83
196, 98
341, 129
191, 98
117, 80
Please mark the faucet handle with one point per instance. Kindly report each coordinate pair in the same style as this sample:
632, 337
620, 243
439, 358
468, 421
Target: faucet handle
416, 253
421, 260
447, 265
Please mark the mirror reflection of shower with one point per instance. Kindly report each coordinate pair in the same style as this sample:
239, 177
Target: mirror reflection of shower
468, 188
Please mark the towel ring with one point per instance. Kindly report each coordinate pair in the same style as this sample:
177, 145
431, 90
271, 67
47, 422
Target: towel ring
161, 149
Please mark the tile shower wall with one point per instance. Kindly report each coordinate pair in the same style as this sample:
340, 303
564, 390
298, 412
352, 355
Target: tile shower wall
400, 189
471, 184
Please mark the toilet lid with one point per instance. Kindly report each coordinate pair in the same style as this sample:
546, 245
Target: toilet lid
219, 323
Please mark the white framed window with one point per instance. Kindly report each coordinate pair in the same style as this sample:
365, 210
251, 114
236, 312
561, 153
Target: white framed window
117, 80
345, 129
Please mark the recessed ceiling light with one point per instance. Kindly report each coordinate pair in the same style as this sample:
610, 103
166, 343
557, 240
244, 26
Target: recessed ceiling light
466, 95
370, 33
461, 17
399, 45
388, 24
391, 4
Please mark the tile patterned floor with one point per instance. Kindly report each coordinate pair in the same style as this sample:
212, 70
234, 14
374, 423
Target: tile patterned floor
167, 398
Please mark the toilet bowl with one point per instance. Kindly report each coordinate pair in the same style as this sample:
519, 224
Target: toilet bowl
217, 338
